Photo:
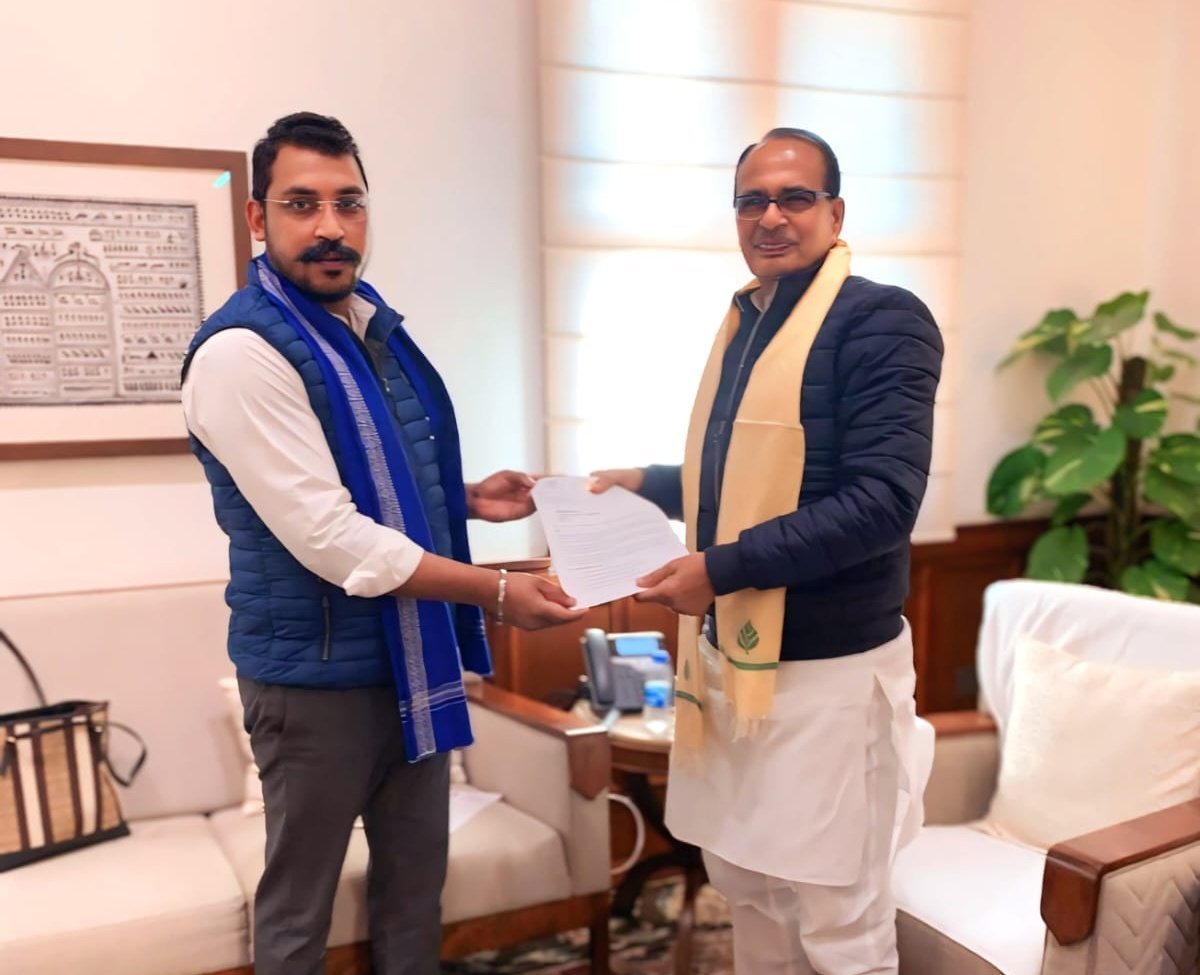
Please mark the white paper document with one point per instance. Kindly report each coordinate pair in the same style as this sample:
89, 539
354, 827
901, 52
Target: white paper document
466, 802
601, 543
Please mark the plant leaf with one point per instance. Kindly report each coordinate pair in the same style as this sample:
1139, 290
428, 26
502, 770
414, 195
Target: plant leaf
1144, 417
1164, 324
1176, 544
1015, 481
1156, 373
1075, 468
1070, 423
1060, 555
1194, 400
1086, 362
1179, 356
1113, 317
1068, 508
1177, 496
1052, 327
1178, 457
1156, 580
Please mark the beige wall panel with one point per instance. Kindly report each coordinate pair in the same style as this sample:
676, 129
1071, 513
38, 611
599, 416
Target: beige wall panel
935, 521
112, 536
852, 49
621, 293
691, 38
953, 8
944, 427
638, 118
879, 135
902, 216
610, 204
932, 279
816, 45
681, 121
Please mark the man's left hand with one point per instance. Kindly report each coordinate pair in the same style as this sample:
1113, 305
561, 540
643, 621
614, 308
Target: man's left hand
503, 496
681, 585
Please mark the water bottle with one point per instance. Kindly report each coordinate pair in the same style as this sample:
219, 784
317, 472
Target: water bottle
658, 694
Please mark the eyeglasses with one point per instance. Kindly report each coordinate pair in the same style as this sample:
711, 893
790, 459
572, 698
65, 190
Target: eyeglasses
345, 207
752, 206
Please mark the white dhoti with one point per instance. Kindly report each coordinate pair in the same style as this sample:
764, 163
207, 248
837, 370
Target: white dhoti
800, 823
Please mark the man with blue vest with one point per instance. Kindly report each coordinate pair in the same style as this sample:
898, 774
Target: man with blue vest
331, 447
798, 763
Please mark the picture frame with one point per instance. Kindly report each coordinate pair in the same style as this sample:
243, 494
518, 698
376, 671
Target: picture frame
110, 256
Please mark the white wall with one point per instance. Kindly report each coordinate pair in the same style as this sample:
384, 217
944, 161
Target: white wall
442, 99
1083, 128
1178, 205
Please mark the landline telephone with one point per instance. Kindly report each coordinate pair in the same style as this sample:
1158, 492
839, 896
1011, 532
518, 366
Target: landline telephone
616, 665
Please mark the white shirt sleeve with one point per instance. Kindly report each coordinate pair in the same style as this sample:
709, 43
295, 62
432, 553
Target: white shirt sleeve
248, 405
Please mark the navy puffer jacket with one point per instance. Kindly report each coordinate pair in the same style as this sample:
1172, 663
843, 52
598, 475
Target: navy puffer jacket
867, 408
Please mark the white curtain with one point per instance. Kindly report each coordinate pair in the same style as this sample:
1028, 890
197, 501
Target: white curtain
645, 107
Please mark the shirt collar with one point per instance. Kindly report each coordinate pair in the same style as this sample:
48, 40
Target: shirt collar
358, 315
791, 287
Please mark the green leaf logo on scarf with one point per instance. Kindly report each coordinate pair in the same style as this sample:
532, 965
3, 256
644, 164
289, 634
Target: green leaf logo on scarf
748, 637
687, 670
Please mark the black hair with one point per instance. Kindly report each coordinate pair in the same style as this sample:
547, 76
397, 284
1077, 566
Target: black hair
306, 130
833, 172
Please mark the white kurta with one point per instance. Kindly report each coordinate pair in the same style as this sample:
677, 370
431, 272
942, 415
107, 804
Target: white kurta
791, 801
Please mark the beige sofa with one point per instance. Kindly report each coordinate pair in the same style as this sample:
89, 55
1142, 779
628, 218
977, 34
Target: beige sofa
174, 898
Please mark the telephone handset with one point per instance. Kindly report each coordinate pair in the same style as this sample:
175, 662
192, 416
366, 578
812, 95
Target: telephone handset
615, 665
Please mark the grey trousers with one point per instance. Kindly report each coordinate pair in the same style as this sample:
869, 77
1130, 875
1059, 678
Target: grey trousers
326, 757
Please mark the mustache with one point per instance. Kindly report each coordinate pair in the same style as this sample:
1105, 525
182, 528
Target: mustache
330, 248
766, 237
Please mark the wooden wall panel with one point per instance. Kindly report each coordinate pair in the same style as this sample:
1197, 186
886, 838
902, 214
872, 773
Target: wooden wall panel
945, 605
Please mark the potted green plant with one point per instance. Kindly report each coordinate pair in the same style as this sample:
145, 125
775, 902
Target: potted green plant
1145, 537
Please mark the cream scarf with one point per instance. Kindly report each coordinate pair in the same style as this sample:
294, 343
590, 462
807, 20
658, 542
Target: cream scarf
763, 471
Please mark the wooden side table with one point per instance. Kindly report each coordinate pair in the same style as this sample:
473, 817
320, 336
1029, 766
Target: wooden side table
636, 756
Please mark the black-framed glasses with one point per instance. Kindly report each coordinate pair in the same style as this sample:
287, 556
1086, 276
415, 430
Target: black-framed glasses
346, 207
752, 206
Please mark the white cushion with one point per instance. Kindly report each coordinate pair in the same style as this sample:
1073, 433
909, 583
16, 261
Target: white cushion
980, 891
501, 860
1092, 744
162, 901
1095, 624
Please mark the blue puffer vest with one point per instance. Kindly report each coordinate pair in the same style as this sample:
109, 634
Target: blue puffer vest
288, 625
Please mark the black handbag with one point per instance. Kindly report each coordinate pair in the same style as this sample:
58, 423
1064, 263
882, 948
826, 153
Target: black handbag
56, 781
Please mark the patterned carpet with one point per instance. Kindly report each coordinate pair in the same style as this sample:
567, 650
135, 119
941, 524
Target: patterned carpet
642, 946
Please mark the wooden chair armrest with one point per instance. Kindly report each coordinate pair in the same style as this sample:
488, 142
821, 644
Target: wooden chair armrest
588, 754
948, 724
1075, 868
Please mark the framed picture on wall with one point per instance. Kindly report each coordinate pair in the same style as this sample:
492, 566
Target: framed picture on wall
110, 257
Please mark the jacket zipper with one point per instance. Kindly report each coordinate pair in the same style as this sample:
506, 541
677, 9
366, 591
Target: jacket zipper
728, 409
328, 632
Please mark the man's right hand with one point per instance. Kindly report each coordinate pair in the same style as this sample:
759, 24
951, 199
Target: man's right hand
533, 602
630, 478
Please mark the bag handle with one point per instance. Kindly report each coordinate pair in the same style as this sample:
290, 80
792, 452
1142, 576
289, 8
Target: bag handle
25, 667
126, 780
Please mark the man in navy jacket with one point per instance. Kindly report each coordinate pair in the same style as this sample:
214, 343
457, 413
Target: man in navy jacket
800, 810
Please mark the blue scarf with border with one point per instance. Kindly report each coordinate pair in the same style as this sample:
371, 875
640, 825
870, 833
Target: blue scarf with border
428, 642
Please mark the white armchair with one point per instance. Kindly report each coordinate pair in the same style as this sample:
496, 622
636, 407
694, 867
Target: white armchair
1121, 899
